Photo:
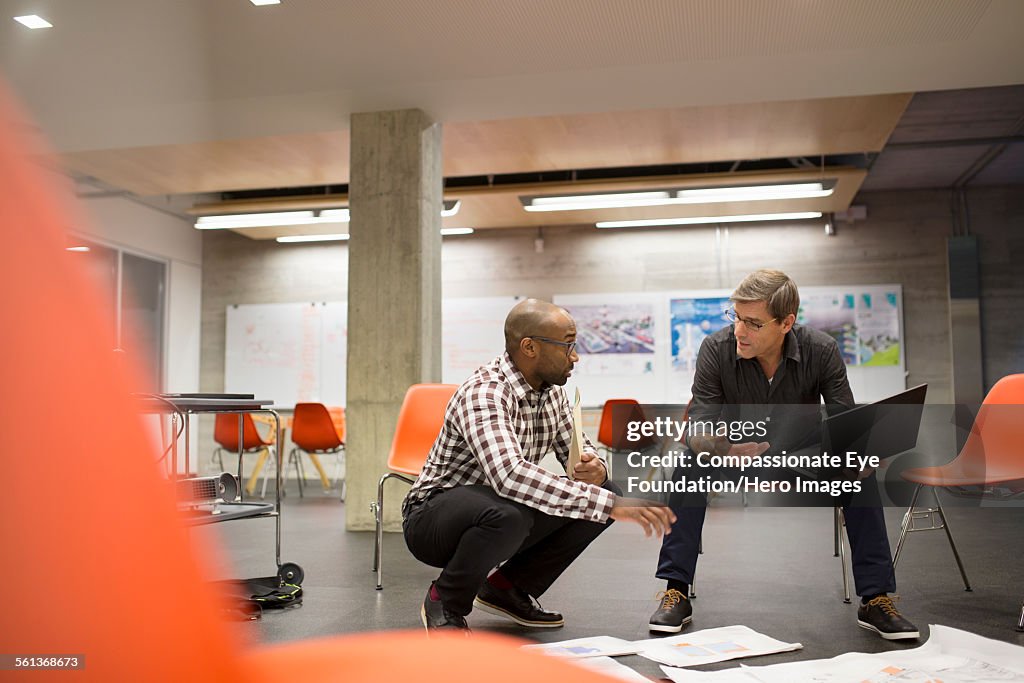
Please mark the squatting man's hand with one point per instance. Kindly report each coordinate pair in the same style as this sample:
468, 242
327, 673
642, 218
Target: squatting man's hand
589, 469
653, 517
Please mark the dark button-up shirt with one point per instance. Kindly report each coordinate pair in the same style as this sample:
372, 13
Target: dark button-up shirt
496, 430
729, 388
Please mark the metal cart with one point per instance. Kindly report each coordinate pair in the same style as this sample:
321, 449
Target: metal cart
180, 407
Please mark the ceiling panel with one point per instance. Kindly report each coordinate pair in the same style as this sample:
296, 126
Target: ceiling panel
640, 138
1005, 169
961, 114
921, 168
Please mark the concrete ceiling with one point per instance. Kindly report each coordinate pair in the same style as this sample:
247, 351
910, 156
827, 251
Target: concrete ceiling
158, 97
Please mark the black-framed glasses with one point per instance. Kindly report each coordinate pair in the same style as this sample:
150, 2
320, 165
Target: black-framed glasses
569, 346
731, 316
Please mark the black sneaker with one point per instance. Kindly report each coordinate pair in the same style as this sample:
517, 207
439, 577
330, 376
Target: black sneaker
674, 612
517, 605
437, 618
880, 615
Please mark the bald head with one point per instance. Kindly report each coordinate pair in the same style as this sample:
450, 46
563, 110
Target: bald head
532, 317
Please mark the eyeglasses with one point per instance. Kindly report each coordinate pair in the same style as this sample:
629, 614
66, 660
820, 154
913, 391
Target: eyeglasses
569, 346
731, 316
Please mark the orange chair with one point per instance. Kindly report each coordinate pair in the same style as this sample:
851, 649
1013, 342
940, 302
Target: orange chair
225, 433
119, 512
419, 423
615, 415
315, 432
993, 455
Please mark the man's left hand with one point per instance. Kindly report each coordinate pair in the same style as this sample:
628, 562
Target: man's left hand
590, 469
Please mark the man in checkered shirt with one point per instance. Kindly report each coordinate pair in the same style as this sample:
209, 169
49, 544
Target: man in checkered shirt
483, 499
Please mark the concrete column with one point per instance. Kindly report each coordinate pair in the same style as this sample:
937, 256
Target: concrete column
394, 292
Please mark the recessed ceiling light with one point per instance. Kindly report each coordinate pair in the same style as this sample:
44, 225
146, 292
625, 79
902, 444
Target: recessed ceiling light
33, 21
80, 248
265, 2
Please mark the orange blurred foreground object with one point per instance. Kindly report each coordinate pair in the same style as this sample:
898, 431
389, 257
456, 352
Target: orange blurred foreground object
96, 560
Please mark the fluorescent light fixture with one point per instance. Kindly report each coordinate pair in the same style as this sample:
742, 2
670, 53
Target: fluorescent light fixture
265, 2
255, 220
337, 237
596, 201
344, 236
80, 249
33, 21
450, 207
753, 193
700, 220
263, 220
699, 195
335, 216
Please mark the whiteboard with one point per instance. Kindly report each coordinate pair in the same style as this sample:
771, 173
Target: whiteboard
653, 361
472, 334
288, 353
297, 352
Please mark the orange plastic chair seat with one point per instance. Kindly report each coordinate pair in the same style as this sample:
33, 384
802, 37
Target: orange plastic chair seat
313, 429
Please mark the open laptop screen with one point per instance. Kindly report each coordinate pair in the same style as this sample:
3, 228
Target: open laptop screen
881, 429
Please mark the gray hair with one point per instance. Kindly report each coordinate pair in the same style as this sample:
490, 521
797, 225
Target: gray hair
773, 287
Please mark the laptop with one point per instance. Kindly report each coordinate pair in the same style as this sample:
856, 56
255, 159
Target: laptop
882, 429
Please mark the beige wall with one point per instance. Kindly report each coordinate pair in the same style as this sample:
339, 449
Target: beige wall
902, 241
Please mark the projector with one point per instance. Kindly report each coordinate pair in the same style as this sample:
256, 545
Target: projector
223, 487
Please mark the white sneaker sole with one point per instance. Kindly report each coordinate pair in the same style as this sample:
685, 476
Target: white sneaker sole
899, 635
665, 628
497, 611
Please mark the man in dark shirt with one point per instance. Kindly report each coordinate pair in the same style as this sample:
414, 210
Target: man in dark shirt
765, 364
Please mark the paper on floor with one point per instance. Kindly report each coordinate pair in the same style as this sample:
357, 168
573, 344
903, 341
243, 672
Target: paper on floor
596, 646
711, 645
950, 656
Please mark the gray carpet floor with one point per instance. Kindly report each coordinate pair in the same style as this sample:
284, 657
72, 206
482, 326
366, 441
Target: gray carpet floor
771, 569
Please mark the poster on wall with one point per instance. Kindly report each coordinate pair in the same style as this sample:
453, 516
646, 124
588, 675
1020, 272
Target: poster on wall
622, 342
865, 322
615, 338
691, 321
834, 313
878, 328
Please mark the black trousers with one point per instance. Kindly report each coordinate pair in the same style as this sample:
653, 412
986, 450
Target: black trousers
469, 530
865, 527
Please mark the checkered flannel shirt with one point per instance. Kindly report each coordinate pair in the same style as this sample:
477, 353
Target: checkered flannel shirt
496, 430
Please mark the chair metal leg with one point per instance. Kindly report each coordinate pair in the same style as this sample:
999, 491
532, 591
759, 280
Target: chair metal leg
908, 526
379, 546
839, 523
905, 526
378, 514
693, 582
836, 533
1020, 621
952, 545
296, 457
